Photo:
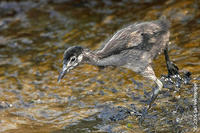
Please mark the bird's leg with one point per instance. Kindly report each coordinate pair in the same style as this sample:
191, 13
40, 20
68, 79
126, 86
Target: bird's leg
149, 73
173, 71
171, 67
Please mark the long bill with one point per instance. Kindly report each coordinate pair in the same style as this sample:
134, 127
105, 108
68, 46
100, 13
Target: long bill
63, 72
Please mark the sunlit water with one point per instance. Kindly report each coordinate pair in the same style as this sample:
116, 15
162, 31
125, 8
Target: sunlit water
33, 37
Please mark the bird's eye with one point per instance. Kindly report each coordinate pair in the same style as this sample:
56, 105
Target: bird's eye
73, 59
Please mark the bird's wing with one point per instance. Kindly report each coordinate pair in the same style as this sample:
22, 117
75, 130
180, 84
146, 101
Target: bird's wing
141, 36
120, 41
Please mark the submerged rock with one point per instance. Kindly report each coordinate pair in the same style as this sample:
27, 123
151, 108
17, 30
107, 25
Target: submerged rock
114, 113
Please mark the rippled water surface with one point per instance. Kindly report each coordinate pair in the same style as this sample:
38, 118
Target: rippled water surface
33, 37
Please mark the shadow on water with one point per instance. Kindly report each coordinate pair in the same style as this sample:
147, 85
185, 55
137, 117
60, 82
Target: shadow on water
33, 37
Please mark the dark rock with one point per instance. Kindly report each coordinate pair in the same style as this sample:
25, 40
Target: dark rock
114, 113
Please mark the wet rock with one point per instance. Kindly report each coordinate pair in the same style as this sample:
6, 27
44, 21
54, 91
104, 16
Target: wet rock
92, 80
101, 92
106, 128
3, 40
134, 96
114, 90
12, 8
100, 82
26, 41
4, 23
90, 92
198, 21
59, 1
78, 89
9, 8
13, 45
138, 84
49, 35
114, 113
4, 105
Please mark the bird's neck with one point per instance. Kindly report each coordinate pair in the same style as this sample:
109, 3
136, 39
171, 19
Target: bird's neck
91, 57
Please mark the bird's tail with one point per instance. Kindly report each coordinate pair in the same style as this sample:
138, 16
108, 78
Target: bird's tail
164, 23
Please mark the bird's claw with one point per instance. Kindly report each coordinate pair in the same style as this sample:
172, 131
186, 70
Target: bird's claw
151, 101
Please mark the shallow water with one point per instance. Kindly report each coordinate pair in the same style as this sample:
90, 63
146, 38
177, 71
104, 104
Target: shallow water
33, 37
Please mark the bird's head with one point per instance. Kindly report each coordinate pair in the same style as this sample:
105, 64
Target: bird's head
72, 58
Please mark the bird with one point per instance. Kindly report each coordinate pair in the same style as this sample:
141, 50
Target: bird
133, 47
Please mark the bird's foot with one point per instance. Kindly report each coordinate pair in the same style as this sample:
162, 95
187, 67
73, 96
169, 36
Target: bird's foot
153, 98
174, 77
178, 79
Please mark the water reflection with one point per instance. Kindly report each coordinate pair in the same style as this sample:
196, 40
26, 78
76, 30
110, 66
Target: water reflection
33, 37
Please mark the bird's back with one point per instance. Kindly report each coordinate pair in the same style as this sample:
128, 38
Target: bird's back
149, 37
